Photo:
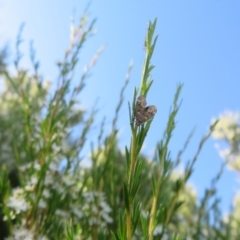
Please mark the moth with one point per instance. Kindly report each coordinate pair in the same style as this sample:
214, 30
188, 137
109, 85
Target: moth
144, 113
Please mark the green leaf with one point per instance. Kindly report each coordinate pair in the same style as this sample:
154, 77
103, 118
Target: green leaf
144, 224
114, 237
126, 197
135, 214
153, 181
127, 157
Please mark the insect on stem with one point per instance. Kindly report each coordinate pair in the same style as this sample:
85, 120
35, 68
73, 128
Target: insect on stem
143, 113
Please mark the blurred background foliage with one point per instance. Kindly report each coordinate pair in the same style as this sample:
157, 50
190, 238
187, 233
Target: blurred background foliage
50, 189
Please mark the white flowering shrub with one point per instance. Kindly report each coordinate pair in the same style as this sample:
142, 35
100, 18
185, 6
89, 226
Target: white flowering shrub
47, 191
228, 131
227, 136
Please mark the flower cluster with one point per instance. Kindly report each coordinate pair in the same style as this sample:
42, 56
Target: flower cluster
228, 130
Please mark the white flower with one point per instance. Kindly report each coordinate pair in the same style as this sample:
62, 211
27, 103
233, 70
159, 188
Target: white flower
106, 217
36, 166
105, 207
204, 232
12, 216
42, 204
46, 84
68, 182
17, 201
48, 180
25, 167
78, 213
94, 209
236, 200
53, 166
89, 196
224, 153
22, 234
62, 213
29, 187
46, 193
157, 230
32, 183
225, 126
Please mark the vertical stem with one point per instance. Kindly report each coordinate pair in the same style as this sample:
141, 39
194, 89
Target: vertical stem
133, 152
129, 225
170, 211
130, 173
155, 197
152, 218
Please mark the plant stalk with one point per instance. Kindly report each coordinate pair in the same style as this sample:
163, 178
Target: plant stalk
130, 174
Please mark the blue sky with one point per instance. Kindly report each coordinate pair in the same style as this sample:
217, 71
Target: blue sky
198, 45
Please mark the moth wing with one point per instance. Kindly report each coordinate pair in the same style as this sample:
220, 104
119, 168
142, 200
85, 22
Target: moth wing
141, 102
150, 111
140, 110
140, 119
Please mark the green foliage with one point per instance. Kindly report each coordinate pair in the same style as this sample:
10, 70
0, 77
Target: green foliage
47, 189
3, 56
